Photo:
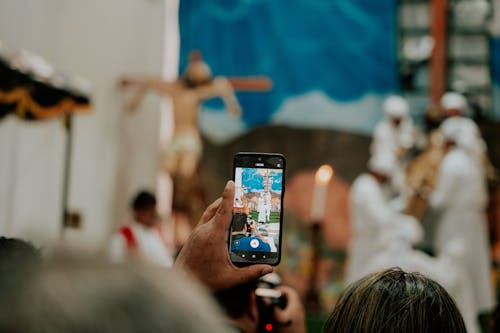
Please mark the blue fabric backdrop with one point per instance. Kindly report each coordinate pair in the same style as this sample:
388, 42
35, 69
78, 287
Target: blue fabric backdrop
332, 61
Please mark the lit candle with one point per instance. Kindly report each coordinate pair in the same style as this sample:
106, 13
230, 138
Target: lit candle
321, 180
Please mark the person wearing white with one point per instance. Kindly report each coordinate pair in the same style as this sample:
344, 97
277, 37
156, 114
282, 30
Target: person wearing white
455, 108
267, 202
460, 197
395, 133
371, 214
261, 209
143, 239
447, 269
150, 247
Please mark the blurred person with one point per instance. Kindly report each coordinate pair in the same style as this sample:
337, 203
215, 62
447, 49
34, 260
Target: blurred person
144, 238
267, 201
395, 301
261, 209
75, 295
395, 133
14, 251
460, 198
455, 106
206, 256
447, 269
242, 237
19, 259
371, 212
249, 311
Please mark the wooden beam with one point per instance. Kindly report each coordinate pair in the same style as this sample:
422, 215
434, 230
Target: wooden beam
438, 58
251, 83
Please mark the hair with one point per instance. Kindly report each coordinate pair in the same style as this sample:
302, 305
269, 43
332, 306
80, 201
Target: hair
395, 301
18, 261
73, 295
239, 221
143, 199
13, 250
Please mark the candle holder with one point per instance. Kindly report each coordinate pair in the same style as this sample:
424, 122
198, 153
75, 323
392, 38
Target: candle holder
322, 178
313, 300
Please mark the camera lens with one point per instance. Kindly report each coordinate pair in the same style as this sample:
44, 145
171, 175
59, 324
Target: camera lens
259, 158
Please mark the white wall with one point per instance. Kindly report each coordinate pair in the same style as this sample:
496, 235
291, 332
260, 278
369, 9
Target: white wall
114, 153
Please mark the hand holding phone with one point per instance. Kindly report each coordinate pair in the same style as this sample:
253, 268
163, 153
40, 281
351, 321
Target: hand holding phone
255, 234
205, 254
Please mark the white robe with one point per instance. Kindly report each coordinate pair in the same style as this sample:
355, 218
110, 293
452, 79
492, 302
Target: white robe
460, 197
261, 209
150, 247
446, 269
371, 216
267, 199
388, 138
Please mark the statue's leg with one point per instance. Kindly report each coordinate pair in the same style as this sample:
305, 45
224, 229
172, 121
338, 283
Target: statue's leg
188, 163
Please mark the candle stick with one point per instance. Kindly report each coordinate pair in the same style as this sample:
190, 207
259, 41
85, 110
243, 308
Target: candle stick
321, 180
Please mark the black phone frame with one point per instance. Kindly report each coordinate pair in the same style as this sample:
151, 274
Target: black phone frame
249, 160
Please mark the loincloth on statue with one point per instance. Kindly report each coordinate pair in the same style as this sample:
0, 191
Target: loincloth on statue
184, 142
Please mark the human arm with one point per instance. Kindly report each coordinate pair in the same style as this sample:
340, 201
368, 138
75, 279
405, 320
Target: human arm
205, 254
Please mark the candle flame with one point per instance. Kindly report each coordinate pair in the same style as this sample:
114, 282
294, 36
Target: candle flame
323, 175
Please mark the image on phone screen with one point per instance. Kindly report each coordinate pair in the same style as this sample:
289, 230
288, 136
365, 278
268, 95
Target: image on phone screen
255, 230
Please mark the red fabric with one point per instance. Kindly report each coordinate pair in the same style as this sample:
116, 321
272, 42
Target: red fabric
127, 233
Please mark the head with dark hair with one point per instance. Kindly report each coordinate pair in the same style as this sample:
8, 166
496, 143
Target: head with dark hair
395, 301
144, 208
13, 250
81, 295
143, 199
19, 260
239, 222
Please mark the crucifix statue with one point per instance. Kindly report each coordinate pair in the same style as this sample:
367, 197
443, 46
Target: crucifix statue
187, 93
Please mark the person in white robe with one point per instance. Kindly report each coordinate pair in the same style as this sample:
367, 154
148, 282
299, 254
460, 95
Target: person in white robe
460, 199
447, 269
395, 133
455, 109
267, 202
371, 214
144, 238
261, 209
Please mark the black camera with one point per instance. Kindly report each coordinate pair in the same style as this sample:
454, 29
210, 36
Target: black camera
268, 297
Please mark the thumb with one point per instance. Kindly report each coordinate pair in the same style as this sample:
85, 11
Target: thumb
225, 211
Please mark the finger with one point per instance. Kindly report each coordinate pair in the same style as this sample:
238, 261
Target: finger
210, 211
250, 273
224, 213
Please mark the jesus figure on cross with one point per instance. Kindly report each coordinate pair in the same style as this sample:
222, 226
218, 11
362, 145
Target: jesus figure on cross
187, 93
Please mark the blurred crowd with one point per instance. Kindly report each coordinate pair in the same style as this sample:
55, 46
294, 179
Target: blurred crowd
203, 291
422, 205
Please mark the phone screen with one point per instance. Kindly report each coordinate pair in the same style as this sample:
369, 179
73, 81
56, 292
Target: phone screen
255, 233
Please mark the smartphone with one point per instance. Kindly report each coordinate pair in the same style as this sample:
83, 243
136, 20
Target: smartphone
255, 233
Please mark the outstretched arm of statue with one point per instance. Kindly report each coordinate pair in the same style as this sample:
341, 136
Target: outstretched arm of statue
143, 86
221, 87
